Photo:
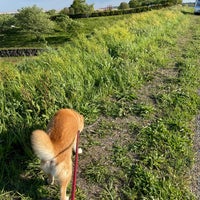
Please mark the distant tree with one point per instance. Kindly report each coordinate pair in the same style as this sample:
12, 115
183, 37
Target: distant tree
175, 1
34, 20
7, 22
71, 11
80, 6
123, 6
64, 11
89, 9
51, 12
69, 25
178, 1
134, 3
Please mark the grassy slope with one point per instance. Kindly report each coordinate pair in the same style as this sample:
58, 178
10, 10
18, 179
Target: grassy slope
136, 84
18, 39
162, 147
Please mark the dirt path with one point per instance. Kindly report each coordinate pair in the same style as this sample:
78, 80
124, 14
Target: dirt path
195, 171
98, 140
170, 73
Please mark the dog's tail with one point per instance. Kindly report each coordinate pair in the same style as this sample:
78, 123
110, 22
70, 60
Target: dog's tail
42, 145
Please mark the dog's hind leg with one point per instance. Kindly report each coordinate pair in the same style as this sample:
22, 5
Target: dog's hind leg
80, 151
63, 189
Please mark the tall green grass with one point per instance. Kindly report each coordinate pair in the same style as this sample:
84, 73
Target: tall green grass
95, 75
113, 60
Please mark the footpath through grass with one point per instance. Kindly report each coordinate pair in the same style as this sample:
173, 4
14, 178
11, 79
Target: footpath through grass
136, 84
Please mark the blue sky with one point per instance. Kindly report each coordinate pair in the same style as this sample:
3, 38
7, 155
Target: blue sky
14, 5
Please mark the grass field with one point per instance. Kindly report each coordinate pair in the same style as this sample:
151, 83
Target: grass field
19, 39
136, 83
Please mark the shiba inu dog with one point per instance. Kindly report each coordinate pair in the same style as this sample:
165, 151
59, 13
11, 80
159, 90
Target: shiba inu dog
54, 147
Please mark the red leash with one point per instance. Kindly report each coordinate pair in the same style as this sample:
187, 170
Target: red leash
75, 169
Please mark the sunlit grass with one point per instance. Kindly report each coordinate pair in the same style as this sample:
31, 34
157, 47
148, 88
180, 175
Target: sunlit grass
102, 75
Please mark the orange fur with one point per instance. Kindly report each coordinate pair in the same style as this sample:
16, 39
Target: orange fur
54, 148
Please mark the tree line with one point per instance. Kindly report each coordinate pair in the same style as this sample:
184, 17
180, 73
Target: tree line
140, 3
33, 20
81, 7
37, 22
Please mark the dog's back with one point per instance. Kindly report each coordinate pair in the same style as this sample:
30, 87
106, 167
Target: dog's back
54, 148
63, 129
